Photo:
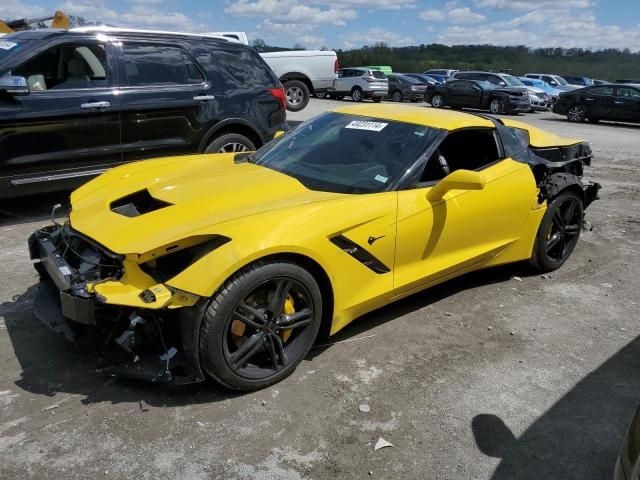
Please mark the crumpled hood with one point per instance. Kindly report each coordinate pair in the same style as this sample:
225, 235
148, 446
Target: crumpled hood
202, 192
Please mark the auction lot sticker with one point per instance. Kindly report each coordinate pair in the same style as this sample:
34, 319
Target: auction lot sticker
7, 45
363, 125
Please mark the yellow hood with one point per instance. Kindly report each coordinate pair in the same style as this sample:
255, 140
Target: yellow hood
204, 191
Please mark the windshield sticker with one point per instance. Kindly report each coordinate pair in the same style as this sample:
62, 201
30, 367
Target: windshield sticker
380, 178
370, 126
7, 45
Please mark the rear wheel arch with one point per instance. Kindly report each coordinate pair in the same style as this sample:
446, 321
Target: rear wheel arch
238, 126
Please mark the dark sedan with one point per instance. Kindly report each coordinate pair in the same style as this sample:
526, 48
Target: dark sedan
601, 102
422, 78
479, 94
403, 88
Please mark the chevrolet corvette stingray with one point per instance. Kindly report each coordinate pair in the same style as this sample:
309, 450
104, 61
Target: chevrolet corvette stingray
228, 266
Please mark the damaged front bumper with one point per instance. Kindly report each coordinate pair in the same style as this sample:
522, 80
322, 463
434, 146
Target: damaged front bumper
104, 302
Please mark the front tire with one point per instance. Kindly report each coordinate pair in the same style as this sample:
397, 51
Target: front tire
577, 113
297, 95
558, 233
496, 106
396, 96
260, 325
437, 101
230, 143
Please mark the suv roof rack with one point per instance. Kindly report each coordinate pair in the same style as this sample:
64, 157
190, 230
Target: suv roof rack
106, 29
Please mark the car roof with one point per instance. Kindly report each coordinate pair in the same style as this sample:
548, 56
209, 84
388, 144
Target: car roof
428, 117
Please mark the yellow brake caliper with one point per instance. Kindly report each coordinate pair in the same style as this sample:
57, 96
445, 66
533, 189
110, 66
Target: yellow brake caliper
288, 309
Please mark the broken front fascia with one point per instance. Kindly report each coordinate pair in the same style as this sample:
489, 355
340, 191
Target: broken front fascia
87, 288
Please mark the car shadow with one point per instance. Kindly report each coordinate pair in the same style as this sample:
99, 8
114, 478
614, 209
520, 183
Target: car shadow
50, 364
579, 436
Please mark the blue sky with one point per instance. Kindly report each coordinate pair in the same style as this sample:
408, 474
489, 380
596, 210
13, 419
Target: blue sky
352, 23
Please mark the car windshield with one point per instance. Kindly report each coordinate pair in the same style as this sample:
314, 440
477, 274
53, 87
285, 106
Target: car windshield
513, 81
343, 153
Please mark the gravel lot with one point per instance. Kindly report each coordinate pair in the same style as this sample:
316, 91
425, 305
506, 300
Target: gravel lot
485, 377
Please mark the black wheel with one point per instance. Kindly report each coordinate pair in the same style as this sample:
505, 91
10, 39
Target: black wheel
229, 143
558, 233
260, 325
437, 101
496, 106
396, 96
577, 113
297, 94
376, 99
356, 94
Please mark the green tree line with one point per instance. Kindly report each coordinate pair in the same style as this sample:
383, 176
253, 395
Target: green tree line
608, 64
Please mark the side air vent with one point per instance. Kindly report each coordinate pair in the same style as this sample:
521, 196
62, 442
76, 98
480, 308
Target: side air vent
360, 254
138, 203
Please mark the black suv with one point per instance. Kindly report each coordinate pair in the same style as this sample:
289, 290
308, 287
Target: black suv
74, 103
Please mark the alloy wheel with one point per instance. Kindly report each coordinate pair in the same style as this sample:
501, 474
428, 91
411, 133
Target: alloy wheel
233, 147
496, 106
397, 96
268, 329
437, 101
563, 229
576, 113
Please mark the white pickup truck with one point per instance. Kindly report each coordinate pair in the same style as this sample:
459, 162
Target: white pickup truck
302, 72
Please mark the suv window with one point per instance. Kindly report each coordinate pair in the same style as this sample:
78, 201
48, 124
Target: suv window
628, 93
65, 67
159, 65
243, 68
378, 74
601, 91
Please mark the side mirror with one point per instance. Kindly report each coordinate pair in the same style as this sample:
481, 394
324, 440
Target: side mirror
458, 180
14, 85
278, 134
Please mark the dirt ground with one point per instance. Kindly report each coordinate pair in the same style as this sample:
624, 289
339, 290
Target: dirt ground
485, 377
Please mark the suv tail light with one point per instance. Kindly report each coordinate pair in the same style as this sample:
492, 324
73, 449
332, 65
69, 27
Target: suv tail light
369, 79
279, 94
336, 66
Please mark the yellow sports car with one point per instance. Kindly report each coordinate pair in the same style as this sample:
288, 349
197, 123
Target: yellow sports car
228, 266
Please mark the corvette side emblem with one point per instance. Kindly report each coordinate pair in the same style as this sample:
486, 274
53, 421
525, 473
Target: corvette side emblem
373, 239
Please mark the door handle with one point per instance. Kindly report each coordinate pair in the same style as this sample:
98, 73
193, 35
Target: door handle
204, 98
95, 105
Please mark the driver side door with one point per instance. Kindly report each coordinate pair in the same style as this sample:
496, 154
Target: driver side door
439, 239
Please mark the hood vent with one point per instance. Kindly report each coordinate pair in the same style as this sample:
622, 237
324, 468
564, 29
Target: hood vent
138, 203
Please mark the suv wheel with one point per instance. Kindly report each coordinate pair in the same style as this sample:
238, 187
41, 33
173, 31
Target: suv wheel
397, 96
297, 94
230, 143
356, 94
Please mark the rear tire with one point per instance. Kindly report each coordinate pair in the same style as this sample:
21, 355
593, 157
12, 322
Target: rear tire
558, 233
297, 95
230, 143
356, 94
242, 342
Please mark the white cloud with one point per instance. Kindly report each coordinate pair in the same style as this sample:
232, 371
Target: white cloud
532, 4
370, 4
375, 35
464, 16
454, 14
15, 9
433, 15
290, 11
